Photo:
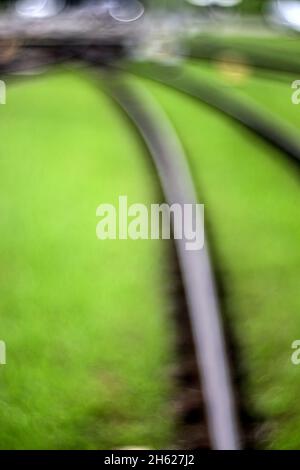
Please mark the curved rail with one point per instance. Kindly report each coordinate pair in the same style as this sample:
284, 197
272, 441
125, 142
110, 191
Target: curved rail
229, 105
196, 270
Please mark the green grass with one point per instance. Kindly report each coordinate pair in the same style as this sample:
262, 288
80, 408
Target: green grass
252, 200
85, 321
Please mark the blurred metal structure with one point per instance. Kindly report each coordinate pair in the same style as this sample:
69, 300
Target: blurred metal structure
196, 271
77, 24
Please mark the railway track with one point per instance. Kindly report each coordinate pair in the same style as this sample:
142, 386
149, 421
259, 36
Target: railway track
209, 407
203, 328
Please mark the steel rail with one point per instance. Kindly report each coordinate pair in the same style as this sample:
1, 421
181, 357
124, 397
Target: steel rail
197, 274
229, 105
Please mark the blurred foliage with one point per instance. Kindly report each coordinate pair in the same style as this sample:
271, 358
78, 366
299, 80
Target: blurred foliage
247, 6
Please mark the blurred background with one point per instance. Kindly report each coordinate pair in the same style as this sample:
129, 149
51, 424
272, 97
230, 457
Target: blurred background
89, 325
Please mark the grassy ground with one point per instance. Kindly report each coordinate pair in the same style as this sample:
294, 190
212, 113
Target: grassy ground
88, 343
252, 200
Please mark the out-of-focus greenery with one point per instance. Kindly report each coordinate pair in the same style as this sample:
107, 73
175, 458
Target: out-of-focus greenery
84, 320
252, 6
247, 6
